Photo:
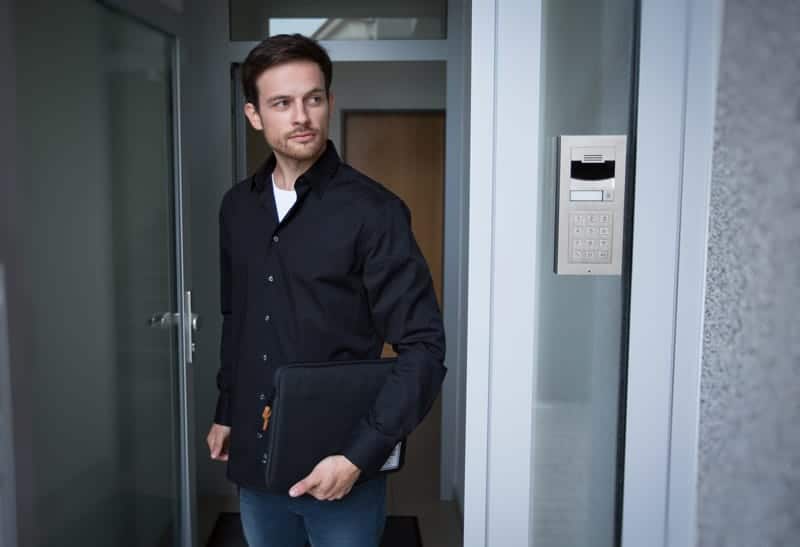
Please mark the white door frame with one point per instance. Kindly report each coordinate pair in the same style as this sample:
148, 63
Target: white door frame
678, 53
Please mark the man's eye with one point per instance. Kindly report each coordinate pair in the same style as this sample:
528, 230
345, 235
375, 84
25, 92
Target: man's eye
316, 99
282, 103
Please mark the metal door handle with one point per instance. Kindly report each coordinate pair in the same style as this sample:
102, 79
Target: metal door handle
166, 320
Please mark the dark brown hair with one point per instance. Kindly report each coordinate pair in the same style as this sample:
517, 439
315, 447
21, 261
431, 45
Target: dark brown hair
280, 49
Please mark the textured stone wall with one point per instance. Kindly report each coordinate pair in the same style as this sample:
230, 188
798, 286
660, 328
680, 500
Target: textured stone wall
749, 478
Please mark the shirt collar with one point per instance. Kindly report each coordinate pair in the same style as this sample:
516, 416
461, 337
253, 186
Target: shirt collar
317, 176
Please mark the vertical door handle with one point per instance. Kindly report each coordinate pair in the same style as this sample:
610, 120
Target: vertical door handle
190, 326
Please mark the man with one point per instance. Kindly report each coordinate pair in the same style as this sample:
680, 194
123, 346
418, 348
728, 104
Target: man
318, 263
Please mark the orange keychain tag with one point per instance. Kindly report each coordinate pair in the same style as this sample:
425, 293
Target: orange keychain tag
266, 414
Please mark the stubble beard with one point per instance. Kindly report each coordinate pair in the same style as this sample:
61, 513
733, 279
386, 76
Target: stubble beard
300, 151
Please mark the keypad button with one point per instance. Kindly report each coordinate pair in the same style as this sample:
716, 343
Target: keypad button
603, 244
591, 231
603, 231
578, 231
577, 254
590, 243
589, 255
578, 243
604, 219
602, 254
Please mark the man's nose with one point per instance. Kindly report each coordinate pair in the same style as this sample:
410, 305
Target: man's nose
300, 113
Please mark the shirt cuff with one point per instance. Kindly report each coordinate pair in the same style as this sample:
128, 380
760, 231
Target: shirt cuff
369, 449
222, 415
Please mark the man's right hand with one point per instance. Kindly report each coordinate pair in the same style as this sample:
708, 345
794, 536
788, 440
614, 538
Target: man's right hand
218, 442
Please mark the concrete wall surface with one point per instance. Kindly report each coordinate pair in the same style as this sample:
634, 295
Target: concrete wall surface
749, 460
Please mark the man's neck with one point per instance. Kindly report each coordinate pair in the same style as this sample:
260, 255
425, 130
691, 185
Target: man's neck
288, 170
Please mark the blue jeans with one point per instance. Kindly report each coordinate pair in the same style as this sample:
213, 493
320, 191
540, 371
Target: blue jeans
274, 520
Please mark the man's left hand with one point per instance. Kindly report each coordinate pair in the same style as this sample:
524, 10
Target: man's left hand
332, 479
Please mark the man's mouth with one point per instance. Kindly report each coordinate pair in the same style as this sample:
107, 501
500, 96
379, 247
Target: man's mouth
303, 137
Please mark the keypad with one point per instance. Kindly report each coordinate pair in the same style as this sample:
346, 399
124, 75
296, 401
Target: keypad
590, 237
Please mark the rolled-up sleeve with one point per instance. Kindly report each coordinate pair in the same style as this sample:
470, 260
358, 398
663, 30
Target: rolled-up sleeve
222, 414
406, 314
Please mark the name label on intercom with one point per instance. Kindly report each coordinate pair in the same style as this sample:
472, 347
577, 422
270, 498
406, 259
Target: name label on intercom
591, 204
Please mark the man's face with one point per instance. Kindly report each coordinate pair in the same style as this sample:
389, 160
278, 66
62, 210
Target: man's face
293, 111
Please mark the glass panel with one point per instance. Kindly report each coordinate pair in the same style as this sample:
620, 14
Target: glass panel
95, 147
253, 20
587, 78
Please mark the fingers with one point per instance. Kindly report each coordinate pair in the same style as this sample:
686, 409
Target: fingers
217, 444
327, 482
306, 486
336, 493
331, 490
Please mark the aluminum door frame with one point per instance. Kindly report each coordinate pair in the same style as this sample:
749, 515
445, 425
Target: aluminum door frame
8, 492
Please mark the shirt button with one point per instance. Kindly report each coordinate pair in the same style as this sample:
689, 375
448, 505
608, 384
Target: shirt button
275, 239
261, 396
264, 458
264, 357
270, 279
259, 435
266, 318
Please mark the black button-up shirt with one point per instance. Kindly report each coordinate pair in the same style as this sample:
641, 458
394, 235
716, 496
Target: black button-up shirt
338, 276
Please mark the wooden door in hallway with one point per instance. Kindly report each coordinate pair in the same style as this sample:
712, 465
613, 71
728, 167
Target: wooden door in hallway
405, 151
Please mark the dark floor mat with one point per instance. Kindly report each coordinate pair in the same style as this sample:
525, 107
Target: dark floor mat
399, 532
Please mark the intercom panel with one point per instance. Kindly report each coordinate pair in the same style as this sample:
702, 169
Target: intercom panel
591, 203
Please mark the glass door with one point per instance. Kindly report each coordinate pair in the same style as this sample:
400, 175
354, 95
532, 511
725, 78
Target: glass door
107, 405
587, 83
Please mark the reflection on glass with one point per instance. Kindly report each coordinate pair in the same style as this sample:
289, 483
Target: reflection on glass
253, 20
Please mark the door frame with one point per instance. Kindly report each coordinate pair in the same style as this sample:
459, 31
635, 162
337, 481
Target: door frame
677, 60
12, 502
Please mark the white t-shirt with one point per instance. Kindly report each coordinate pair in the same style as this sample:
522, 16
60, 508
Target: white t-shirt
284, 199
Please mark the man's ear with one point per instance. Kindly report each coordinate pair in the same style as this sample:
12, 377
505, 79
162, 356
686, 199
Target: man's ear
253, 116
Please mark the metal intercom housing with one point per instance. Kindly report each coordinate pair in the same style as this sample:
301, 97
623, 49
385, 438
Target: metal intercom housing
591, 204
